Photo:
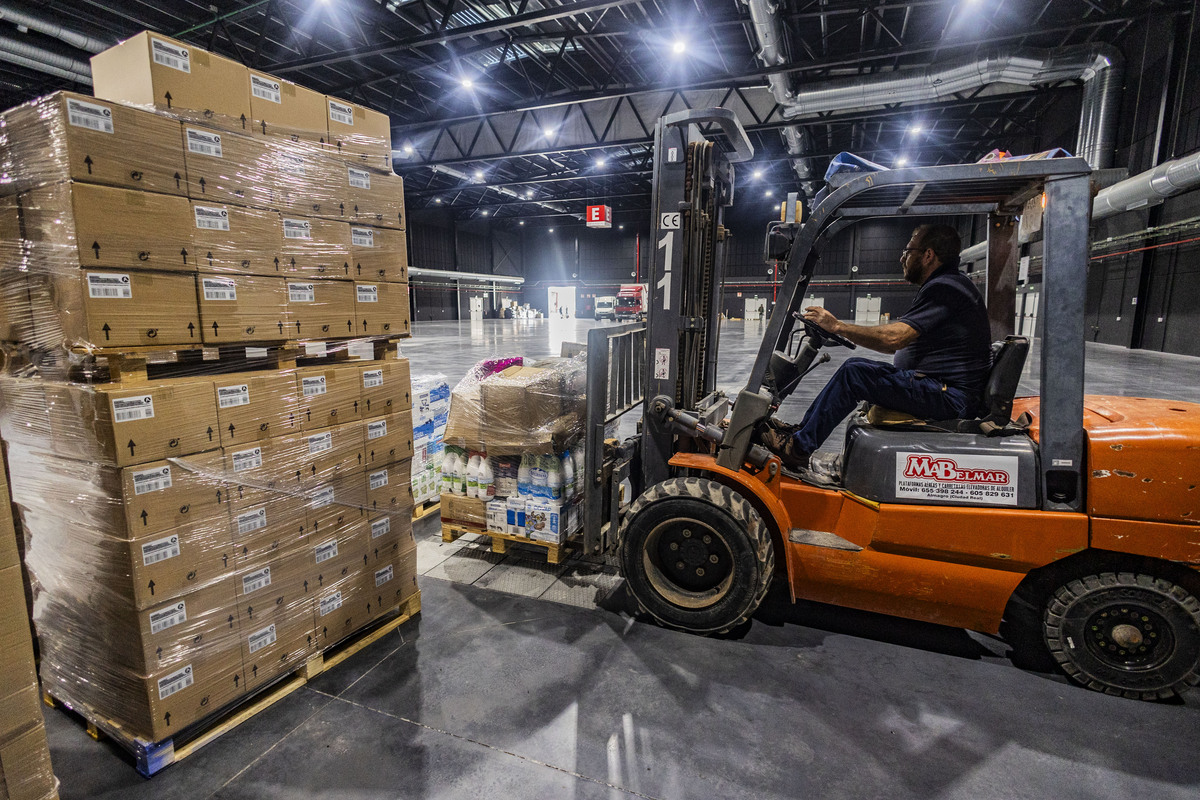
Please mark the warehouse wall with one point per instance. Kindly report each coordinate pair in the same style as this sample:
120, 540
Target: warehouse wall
436, 241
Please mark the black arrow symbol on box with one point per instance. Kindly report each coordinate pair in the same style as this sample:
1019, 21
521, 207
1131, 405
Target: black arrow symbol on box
277, 263
106, 330
306, 584
359, 268
250, 611
256, 670
151, 588
158, 653
236, 680
191, 330
215, 327
225, 563
210, 258
167, 96
293, 263
167, 716
88, 160
231, 620
177, 179
350, 326
218, 497
131, 446
210, 433
342, 208
297, 326
364, 325
183, 253
280, 324
96, 248
355, 406
264, 127
144, 515
203, 183
243, 122
231, 429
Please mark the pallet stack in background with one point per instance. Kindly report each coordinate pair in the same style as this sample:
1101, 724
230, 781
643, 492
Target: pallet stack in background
229, 258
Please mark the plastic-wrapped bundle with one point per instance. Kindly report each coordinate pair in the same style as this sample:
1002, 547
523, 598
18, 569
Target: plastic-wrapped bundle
431, 407
360, 135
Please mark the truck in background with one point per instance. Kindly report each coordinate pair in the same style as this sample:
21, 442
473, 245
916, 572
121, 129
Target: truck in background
606, 307
632, 300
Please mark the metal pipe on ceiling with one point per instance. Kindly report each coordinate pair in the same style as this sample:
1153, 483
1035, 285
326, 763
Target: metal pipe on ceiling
16, 51
33, 22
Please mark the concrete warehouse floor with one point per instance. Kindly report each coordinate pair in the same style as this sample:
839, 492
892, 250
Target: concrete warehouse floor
512, 683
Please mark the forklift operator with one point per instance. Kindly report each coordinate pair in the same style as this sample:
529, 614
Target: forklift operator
942, 348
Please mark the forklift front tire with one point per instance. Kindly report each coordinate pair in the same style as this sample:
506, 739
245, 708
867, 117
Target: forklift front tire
1125, 634
696, 556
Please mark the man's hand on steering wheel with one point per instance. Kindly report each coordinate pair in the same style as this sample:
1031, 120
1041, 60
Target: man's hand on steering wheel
820, 323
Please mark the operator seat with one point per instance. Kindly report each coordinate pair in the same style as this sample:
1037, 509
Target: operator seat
1008, 361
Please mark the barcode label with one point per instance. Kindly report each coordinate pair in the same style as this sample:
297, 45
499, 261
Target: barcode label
381, 527
320, 443
322, 498
170, 55
175, 682
251, 521
233, 396
331, 603
379, 479
160, 550
340, 112
109, 285
301, 293
359, 178
259, 579
313, 386
204, 143
382, 576
326, 551
168, 617
151, 480
297, 229
220, 289
89, 115
367, 293
127, 409
372, 378
247, 459
377, 430
265, 89
260, 639
362, 237
212, 219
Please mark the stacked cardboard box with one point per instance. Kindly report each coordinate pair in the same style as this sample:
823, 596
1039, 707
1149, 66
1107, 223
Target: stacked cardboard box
431, 407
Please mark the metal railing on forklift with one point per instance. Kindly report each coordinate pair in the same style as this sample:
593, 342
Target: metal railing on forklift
616, 375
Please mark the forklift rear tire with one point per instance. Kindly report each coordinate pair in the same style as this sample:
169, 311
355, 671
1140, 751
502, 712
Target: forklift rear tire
696, 556
1125, 634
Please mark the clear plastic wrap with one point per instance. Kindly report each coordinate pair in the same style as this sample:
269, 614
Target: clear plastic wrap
360, 135
431, 408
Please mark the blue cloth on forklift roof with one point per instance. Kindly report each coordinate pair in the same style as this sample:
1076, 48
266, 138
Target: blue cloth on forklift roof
848, 162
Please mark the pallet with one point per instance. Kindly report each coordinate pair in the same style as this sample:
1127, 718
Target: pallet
152, 757
426, 509
554, 550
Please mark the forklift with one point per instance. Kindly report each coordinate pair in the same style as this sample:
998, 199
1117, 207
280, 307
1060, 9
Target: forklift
1079, 514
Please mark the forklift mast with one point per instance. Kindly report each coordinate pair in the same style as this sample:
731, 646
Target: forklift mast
692, 185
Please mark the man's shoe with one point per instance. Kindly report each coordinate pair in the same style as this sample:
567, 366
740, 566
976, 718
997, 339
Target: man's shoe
782, 442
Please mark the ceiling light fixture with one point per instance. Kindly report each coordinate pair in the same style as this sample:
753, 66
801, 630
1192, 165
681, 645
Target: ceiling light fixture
467, 83
437, 199
547, 132
600, 162
768, 193
522, 222
901, 161
679, 47
408, 149
757, 173
551, 230
915, 128
478, 174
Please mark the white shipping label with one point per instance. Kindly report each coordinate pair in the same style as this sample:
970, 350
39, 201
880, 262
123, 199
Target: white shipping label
170, 55
301, 293
265, 88
331, 603
259, 579
384, 575
233, 396
372, 378
109, 285
89, 115
211, 219
251, 521
256, 352
317, 349
957, 478
313, 386
160, 550
127, 409
662, 364
247, 459
362, 237
359, 178
367, 292
297, 229
320, 443
151, 480
175, 682
219, 289
168, 617
377, 430
379, 479
326, 551
260, 639
381, 527
323, 498
340, 112
204, 143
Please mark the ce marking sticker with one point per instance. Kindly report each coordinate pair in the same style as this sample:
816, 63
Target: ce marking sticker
669, 222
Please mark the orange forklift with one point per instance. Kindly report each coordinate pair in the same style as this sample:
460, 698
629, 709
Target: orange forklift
1082, 510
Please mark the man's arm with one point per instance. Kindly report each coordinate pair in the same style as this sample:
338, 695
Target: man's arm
882, 338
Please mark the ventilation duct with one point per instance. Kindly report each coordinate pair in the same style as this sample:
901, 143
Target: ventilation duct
24, 19
37, 58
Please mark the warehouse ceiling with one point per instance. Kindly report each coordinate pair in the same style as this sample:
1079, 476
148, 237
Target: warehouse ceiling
529, 109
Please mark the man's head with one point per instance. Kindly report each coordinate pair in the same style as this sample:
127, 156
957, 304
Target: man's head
930, 247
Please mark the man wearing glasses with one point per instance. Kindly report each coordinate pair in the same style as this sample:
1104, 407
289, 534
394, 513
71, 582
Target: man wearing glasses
942, 348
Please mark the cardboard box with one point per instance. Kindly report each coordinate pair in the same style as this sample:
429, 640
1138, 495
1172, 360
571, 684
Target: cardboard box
392, 582
381, 308
260, 585
336, 503
25, 771
378, 197
311, 182
284, 110
252, 406
242, 308
225, 167
236, 239
70, 224
16, 647
278, 644
378, 254
464, 510
20, 708
385, 387
389, 488
328, 395
159, 495
259, 471
315, 247
93, 142
521, 399
152, 70
360, 134
321, 309
386, 533
168, 564
179, 629
388, 439
276, 528
329, 452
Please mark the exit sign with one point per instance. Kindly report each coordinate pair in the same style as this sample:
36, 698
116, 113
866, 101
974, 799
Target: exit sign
599, 216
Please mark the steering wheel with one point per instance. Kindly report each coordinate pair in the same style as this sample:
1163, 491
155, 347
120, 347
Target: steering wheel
823, 336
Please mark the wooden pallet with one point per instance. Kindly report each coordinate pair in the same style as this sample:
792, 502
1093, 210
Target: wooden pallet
153, 757
426, 509
554, 550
